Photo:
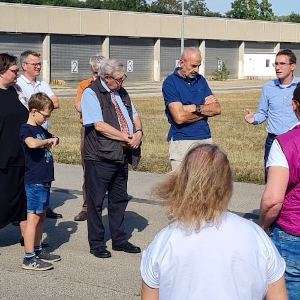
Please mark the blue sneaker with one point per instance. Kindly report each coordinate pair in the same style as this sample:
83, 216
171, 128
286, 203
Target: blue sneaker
48, 256
36, 264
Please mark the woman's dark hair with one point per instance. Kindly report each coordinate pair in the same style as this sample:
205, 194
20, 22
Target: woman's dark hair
6, 61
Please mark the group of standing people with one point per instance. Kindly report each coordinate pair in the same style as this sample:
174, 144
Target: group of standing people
280, 209
26, 103
206, 250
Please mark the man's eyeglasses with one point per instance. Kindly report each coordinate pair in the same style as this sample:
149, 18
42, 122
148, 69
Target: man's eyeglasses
120, 80
45, 116
282, 64
16, 71
34, 64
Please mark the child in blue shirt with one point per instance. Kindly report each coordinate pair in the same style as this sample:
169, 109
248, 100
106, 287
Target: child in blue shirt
37, 144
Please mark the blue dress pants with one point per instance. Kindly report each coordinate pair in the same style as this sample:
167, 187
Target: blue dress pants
102, 177
289, 248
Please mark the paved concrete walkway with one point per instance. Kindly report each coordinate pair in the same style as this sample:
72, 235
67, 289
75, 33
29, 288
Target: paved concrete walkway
80, 275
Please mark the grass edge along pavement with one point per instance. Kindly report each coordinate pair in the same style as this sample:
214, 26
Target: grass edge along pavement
243, 143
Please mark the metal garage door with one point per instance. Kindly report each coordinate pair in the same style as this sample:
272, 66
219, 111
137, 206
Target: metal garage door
15, 44
170, 52
296, 49
255, 47
70, 56
137, 56
228, 52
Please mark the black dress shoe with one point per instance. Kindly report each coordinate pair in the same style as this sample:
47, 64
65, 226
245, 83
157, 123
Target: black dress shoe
44, 245
82, 216
127, 247
101, 252
50, 214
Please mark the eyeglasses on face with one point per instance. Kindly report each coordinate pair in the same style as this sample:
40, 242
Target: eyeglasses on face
15, 71
45, 116
282, 64
118, 80
34, 64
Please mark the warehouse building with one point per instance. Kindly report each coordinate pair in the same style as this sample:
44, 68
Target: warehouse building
148, 44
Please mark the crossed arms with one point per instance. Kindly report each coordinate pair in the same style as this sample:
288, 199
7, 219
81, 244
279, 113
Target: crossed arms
187, 113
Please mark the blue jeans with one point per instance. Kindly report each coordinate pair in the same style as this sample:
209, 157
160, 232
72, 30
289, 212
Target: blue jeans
38, 197
289, 248
269, 141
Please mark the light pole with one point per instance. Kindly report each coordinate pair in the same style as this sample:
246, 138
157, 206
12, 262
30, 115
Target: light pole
182, 25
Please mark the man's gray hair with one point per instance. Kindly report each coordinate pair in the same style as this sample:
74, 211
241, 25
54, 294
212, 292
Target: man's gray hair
24, 55
186, 51
110, 67
96, 61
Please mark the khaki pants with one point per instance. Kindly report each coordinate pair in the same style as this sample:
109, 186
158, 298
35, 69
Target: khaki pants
178, 149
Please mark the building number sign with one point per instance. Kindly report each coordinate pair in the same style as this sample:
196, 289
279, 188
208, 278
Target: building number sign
74, 66
129, 65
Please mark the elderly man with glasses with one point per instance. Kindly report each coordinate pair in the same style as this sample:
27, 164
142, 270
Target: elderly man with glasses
30, 84
95, 63
113, 132
276, 101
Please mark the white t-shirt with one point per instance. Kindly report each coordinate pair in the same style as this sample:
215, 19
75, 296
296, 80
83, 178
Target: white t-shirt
234, 260
28, 90
276, 156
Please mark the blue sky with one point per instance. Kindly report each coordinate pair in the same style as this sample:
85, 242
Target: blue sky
280, 7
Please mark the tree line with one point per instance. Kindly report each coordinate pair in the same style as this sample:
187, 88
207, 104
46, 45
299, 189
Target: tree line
240, 9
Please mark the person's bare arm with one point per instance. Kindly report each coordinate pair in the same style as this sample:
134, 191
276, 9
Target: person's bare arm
80, 90
277, 290
78, 106
273, 195
55, 101
149, 293
184, 114
211, 107
111, 132
34, 143
187, 113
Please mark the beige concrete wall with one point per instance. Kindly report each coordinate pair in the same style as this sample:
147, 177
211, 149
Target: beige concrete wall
59, 20
94, 22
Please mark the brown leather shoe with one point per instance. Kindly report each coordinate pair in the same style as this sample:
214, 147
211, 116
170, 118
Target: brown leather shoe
82, 216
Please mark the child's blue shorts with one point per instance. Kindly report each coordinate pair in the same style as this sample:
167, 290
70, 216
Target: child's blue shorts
38, 197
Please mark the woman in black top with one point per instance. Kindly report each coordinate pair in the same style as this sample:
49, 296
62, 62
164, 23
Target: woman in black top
12, 115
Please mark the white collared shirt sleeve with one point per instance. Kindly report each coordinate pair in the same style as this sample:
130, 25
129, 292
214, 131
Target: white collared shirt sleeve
45, 88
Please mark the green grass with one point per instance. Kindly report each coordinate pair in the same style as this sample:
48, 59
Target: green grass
243, 143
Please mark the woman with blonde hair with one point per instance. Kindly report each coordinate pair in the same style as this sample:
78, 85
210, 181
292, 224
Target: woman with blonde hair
207, 252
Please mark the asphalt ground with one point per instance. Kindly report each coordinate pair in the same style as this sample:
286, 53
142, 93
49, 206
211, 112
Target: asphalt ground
80, 275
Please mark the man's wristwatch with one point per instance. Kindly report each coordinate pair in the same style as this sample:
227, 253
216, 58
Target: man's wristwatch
141, 130
198, 109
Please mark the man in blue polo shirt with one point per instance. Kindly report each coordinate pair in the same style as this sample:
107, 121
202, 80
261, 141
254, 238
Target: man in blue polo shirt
189, 102
276, 100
